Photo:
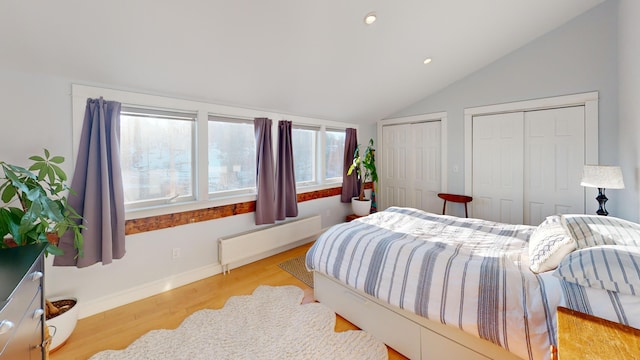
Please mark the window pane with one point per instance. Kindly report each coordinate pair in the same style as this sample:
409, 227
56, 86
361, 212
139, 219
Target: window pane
232, 156
304, 154
334, 153
157, 157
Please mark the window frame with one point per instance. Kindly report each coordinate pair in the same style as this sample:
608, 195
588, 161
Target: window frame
227, 193
202, 200
337, 179
315, 181
174, 115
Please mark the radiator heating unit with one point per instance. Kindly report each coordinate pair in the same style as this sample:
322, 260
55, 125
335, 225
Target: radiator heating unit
246, 245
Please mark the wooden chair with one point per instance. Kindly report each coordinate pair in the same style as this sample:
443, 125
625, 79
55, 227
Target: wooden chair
455, 198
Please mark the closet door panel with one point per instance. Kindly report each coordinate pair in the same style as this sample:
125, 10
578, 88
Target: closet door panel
497, 167
426, 166
396, 165
554, 157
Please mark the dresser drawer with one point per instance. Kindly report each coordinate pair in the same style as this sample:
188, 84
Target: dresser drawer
29, 285
20, 303
401, 334
21, 340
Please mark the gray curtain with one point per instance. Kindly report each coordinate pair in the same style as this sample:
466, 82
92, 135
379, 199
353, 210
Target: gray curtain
265, 179
97, 182
350, 183
286, 197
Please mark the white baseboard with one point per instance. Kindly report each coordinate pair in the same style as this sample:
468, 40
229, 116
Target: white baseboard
143, 291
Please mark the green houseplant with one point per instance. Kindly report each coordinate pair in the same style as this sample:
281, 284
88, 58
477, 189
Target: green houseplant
34, 206
364, 165
34, 209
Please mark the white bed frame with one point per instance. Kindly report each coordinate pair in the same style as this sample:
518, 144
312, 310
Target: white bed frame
413, 336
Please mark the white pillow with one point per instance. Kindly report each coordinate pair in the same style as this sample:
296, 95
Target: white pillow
549, 244
609, 267
594, 230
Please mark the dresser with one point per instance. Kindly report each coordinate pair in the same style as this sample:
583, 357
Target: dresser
22, 302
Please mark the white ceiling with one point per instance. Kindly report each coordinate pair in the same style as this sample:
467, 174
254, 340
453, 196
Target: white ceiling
310, 58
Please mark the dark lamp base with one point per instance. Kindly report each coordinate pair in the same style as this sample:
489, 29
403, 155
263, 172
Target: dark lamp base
602, 200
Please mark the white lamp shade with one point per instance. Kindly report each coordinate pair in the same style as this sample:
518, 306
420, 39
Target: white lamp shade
599, 176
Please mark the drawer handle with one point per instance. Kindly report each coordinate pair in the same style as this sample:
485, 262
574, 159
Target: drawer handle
36, 275
5, 326
38, 313
47, 341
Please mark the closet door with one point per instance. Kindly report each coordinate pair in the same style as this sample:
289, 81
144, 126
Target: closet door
527, 165
554, 156
497, 167
426, 166
395, 165
410, 172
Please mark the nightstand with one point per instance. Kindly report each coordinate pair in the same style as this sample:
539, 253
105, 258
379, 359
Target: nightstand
584, 336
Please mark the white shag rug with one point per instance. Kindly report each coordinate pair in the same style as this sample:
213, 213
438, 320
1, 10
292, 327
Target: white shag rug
270, 324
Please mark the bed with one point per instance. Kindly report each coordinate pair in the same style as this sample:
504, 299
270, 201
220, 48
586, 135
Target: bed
434, 286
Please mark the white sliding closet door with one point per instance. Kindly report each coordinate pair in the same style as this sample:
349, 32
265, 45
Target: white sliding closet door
528, 165
395, 167
558, 136
411, 165
554, 155
497, 167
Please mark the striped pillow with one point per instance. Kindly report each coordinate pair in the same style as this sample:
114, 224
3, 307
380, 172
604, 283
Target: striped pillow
549, 244
594, 230
609, 267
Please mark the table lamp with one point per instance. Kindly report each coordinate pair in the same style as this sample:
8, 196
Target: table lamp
602, 177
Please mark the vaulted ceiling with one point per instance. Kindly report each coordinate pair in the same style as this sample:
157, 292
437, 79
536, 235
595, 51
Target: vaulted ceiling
311, 58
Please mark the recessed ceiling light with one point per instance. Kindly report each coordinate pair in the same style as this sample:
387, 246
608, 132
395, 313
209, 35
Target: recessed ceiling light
370, 18
427, 60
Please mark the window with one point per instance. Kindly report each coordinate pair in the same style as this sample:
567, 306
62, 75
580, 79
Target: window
334, 154
304, 141
157, 155
180, 155
232, 156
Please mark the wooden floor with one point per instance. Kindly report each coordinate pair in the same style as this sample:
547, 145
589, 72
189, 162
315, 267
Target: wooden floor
117, 328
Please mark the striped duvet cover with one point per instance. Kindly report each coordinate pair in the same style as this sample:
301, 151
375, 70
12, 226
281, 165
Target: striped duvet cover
468, 273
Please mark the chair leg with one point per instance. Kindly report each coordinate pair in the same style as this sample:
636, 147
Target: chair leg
466, 214
444, 206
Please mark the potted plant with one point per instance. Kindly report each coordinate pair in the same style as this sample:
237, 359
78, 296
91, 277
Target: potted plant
34, 209
364, 166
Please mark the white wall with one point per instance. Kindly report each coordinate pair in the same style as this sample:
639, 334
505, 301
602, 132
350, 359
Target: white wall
629, 106
366, 132
37, 114
581, 56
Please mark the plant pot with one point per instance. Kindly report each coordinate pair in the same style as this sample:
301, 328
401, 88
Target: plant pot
63, 324
361, 207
